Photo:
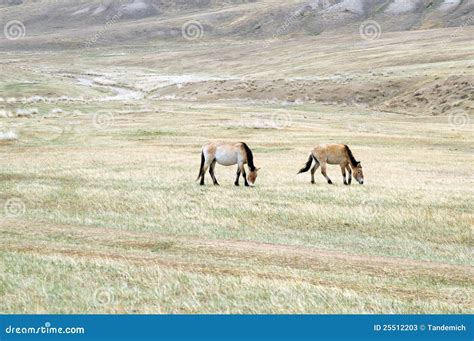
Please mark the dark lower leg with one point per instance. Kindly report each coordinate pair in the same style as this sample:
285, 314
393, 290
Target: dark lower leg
237, 178
323, 172
244, 175
203, 175
213, 176
343, 170
313, 170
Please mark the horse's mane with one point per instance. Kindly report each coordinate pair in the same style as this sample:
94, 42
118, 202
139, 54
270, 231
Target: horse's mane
354, 162
249, 156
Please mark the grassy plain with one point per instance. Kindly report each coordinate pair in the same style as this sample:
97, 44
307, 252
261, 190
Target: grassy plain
101, 213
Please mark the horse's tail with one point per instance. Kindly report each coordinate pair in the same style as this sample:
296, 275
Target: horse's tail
249, 154
354, 162
202, 165
308, 164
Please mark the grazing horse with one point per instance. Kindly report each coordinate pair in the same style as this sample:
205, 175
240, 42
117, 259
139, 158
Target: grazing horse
227, 154
334, 154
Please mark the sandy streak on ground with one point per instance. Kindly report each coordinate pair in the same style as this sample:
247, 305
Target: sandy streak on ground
238, 248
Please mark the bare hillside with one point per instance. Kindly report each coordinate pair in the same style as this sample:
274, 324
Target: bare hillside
384, 54
70, 23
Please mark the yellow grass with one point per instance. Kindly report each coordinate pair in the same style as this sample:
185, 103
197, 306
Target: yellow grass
102, 213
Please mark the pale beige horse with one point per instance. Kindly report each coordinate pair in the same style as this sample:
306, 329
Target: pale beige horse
228, 154
334, 154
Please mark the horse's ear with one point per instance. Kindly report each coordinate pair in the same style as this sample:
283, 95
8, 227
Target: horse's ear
359, 165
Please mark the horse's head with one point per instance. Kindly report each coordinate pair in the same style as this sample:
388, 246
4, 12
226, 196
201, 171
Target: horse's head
358, 174
252, 176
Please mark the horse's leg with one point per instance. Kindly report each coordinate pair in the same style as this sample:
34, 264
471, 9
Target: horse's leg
211, 171
349, 171
343, 170
324, 173
313, 170
238, 176
244, 175
204, 170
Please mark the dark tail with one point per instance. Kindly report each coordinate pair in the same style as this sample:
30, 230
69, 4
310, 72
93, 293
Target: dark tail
202, 165
308, 164
354, 162
249, 156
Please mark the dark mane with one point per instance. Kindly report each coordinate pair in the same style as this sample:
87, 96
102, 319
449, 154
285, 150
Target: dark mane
249, 156
354, 162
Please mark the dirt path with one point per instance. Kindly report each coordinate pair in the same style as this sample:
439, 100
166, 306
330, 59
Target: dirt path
115, 243
268, 264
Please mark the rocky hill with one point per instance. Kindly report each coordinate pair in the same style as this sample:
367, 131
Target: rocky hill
71, 23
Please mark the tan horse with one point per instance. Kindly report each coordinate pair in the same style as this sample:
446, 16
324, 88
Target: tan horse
334, 154
227, 154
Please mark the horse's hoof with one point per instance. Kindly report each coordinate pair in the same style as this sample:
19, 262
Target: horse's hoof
345, 183
236, 184
313, 182
330, 182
